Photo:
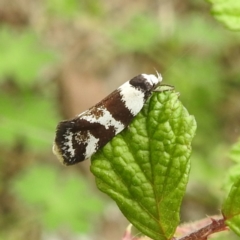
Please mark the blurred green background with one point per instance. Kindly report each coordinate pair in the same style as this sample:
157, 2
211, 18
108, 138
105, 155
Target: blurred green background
59, 57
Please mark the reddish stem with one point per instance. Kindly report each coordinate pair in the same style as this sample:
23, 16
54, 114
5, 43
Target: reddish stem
216, 225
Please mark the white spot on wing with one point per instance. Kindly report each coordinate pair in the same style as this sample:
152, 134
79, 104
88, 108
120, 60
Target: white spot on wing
91, 145
106, 119
132, 98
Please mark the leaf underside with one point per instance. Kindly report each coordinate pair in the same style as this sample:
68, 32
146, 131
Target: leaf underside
145, 168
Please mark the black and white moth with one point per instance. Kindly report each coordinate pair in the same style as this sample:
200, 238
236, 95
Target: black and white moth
79, 138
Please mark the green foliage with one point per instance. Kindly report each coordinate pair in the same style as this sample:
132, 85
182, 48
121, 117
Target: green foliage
200, 34
233, 172
70, 9
227, 12
130, 37
23, 110
145, 168
193, 53
200, 86
196, 68
235, 152
59, 201
231, 207
63, 8
21, 57
24, 120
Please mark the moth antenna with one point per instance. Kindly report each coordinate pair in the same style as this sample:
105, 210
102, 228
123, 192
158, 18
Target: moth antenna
159, 76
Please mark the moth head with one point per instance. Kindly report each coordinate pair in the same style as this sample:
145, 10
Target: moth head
146, 82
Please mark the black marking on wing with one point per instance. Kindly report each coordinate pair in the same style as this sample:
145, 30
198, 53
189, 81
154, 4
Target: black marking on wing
79, 129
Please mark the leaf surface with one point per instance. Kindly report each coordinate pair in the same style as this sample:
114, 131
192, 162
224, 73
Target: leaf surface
145, 168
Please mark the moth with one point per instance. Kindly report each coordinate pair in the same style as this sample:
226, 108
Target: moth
79, 138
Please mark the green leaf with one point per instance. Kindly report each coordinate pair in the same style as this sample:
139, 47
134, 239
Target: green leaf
231, 208
227, 12
145, 168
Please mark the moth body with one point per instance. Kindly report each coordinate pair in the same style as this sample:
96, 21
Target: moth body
79, 138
